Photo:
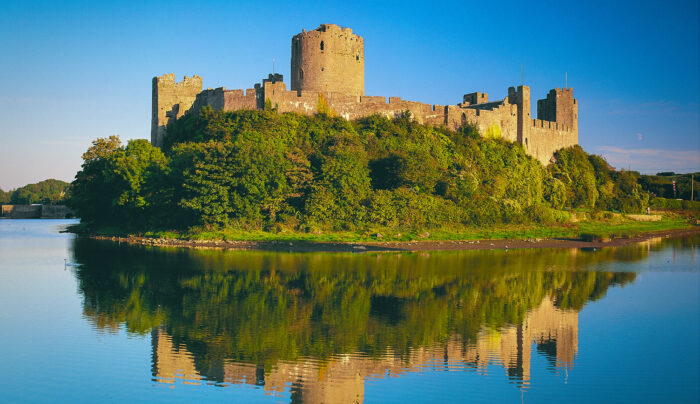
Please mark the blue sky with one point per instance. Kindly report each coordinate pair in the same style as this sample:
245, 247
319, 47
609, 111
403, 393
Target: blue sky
75, 71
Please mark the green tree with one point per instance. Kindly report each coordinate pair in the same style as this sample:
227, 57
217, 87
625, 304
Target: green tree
269, 170
573, 168
114, 184
45, 192
5, 196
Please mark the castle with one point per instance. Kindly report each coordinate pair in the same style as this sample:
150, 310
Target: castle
328, 66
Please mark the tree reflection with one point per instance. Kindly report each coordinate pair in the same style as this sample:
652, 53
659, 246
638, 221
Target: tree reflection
282, 318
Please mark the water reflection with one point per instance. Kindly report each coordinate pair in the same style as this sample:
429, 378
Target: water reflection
320, 325
340, 377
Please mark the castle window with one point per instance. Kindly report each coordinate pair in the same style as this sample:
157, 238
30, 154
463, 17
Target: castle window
323, 68
321, 45
357, 57
301, 74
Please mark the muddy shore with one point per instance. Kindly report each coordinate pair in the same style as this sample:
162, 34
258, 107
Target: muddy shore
418, 245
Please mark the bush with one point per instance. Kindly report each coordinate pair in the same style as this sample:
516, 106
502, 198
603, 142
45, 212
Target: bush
674, 204
543, 214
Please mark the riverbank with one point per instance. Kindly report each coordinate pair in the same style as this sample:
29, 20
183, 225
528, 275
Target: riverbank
513, 238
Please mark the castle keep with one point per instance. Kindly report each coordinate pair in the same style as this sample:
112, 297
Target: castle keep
328, 64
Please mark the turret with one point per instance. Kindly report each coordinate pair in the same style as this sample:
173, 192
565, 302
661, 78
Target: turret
328, 59
521, 97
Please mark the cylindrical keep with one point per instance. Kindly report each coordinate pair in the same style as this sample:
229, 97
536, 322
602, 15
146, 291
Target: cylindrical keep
329, 59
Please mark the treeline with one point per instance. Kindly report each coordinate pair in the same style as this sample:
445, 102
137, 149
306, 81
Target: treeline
264, 170
47, 192
661, 185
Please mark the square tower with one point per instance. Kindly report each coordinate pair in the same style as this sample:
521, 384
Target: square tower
170, 101
560, 106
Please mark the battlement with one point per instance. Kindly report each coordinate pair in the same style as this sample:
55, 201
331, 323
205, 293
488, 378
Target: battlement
332, 29
273, 78
539, 123
168, 79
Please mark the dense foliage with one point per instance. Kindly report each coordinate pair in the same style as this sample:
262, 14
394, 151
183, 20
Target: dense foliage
5, 196
661, 185
45, 192
674, 204
264, 170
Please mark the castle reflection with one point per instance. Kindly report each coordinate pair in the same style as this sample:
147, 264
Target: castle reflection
341, 378
321, 325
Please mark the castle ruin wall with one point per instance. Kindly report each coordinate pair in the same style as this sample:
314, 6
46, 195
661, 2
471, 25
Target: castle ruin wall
499, 119
327, 66
546, 138
170, 101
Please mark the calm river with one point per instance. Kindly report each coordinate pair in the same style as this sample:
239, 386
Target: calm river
87, 321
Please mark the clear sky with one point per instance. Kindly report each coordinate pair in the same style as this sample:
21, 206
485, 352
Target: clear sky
76, 71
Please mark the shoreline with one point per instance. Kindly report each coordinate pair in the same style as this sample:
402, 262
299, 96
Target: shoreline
395, 246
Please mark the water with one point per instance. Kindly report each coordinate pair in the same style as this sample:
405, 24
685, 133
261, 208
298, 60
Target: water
85, 321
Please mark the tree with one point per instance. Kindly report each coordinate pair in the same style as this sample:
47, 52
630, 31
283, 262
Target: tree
46, 192
266, 170
5, 196
574, 169
113, 186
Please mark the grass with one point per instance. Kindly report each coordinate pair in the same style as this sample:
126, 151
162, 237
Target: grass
615, 227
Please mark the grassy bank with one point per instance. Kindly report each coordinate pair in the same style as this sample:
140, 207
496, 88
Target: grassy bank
614, 226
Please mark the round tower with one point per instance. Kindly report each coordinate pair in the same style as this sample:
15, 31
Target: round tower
328, 59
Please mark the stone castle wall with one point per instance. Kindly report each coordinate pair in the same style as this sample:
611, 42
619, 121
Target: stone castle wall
548, 137
227, 100
327, 66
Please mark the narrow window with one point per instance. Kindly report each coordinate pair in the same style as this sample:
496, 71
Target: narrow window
357, 57
321, 45
301, 74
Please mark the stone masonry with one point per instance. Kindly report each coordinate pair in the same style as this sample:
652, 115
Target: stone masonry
327, 65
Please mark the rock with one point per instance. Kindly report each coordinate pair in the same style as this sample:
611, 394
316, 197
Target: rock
424, 235
379, 235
